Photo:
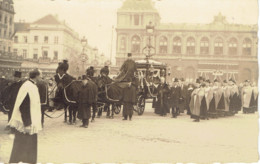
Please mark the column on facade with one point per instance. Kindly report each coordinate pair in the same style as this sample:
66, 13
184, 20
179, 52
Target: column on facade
183, 46
169, 45
211, 46
225, 47
254, 47
197, 46
140, 21
239, 47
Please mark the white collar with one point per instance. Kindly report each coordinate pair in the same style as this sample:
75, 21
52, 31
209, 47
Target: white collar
60, 77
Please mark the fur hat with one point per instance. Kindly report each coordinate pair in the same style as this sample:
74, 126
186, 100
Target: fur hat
64, 66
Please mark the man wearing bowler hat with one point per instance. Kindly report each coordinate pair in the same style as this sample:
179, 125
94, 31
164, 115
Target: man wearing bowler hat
11, 94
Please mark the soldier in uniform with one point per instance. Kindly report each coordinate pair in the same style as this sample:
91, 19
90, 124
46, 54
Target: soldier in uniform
175, 98
87, 98
11, 94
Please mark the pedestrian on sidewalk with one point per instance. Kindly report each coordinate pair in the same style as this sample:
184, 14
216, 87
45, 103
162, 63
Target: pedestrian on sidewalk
87, 97
26, 120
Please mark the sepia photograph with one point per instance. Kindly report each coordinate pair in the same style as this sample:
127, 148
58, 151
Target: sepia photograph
129, 81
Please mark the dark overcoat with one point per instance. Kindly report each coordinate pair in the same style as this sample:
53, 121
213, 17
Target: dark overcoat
175, 97
86, 97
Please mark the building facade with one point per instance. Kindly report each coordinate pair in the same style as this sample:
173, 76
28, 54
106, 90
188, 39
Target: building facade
215, 50
8, 62
44, 43
6, 25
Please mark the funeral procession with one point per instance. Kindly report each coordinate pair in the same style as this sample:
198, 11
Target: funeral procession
126, 81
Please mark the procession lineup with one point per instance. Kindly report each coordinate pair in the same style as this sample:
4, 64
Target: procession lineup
137, 81
26, 100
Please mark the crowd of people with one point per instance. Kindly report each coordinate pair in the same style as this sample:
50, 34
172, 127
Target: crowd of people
28, 99
204, 98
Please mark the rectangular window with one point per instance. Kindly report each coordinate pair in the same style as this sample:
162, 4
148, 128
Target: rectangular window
10, 21
45, 55
46, 39
35, 53
16, 39
25, 39
35, 39
56, 54
56, 40
9, 49
24, 53
15, 52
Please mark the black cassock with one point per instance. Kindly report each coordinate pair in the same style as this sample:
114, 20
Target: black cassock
25, 145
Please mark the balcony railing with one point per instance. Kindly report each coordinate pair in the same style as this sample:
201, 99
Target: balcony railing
10, 56
44, 60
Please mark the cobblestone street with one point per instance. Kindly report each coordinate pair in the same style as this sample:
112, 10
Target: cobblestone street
145, 139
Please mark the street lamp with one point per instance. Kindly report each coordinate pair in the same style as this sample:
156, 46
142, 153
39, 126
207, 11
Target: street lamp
149, 47
84, 57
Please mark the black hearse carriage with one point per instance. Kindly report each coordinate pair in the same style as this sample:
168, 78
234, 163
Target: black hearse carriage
149, 73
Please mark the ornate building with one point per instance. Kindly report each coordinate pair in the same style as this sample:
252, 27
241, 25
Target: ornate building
215, 50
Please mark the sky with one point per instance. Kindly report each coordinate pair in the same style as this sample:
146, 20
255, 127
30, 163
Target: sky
95, 18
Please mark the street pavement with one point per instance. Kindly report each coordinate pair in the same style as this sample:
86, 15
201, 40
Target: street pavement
146, 139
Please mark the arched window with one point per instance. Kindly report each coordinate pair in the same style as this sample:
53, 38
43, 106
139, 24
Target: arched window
136, 44
177, 45
218, 47
204, 46
163, 45
122, 44
247, 44
232, 47
190, 46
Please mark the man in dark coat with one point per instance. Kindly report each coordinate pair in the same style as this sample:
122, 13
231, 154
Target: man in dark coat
129, 100
175, 98
90, 75
43, 91
184, 90
11, 94
127, 70
163, 97
87, 98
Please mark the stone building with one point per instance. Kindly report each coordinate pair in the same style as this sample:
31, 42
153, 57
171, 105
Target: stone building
8, 62
44, 43
6, 25
218, 49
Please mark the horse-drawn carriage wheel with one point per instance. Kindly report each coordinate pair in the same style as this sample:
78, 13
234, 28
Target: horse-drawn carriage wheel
117, 109
140, 104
